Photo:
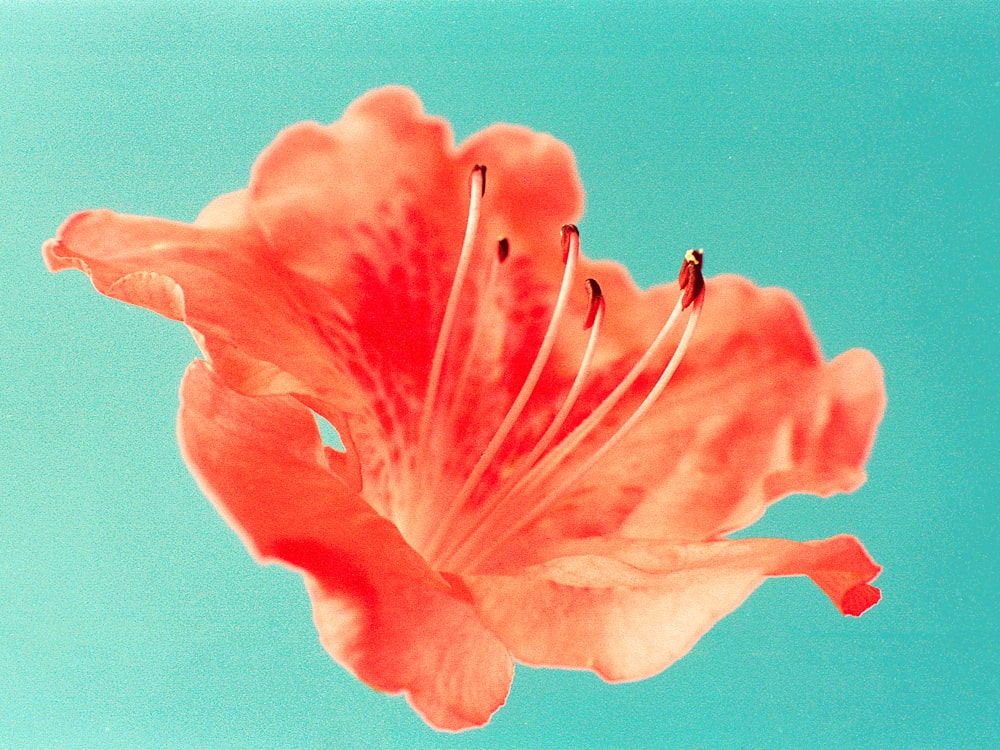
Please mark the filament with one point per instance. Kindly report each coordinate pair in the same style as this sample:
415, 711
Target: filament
553, 495
477, 188
571, 240
692, 286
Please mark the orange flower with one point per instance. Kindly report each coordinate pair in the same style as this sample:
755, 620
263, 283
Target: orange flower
542, 461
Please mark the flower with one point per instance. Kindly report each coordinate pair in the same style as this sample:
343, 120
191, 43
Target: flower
541, 461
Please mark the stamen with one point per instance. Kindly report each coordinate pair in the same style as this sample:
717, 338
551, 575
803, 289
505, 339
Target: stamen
477, 189
690, 278
571, 441
620, 433
482, 312
595, 317
571, 253
503, 249
692, 284
485, 538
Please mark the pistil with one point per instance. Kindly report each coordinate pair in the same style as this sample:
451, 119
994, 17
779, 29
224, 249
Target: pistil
477, 189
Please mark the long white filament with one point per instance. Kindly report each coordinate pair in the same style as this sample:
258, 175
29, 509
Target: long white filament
432, 550
574, 392
504, 517
477, 187
582, 430
553, 495
482, 314
506, 500
525, 464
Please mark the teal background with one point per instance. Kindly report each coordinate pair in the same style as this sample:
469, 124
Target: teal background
846, 151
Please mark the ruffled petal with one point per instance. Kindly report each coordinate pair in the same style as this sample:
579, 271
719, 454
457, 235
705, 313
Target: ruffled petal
212, 276
381, 612
630, 608
378, 188
754, 414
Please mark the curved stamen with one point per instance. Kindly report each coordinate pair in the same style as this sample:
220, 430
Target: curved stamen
553, 495
692, 285
571, 254
595, 317
503, 251
477, 188
654, 394
569, 443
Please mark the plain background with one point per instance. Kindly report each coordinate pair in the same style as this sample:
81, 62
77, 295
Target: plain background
846, 151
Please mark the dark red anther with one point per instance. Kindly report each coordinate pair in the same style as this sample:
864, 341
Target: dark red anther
690, 279
503, 249
479, 168
568, 231
596, 300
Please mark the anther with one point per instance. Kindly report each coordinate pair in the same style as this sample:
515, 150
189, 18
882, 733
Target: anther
596, 300
568, 232
481, 170
503, 249
690, 278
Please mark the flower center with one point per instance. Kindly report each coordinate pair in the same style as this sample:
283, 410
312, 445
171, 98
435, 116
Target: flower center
533, 475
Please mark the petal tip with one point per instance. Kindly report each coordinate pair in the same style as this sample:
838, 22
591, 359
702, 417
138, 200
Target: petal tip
394, 98
859, 599
54, 255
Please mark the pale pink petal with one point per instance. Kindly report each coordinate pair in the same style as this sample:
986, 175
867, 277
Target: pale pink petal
380, 611
637, 607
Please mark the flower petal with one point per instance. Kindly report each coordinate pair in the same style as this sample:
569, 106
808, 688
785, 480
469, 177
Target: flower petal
380, 184
753, 415
630, 611
212, 276
381, 612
